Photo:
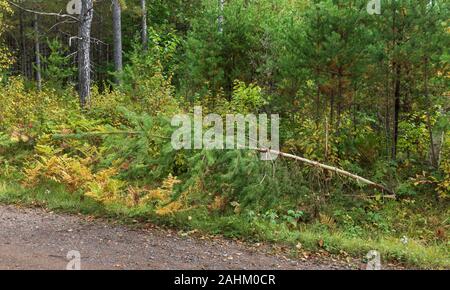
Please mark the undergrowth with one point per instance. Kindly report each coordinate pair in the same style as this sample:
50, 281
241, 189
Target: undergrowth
251, 228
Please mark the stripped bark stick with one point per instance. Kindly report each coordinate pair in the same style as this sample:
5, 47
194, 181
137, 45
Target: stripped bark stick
389, 196
100, 134
43, 13
330, 168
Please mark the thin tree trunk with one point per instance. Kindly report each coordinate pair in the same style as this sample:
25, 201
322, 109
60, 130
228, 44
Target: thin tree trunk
326, 139
221, 16
84, 47
332, 107
144, 25
318, 105
387, 115
339, 101
117, 31
397, 83
396, 109
440, 145
23, 62
434, 160
37, 52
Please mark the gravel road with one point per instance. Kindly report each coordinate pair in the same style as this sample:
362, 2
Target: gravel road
35, 239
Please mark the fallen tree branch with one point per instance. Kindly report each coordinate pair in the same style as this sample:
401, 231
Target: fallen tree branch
389, 196
330, 168
43, 13
92, 134
100, 134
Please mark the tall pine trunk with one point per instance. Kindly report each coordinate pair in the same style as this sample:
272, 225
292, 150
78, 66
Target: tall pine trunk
433, 155
339, 99
397, 83
396, 109
387, 116
37, 53
117, 31
144, 25
84, 48
23, 61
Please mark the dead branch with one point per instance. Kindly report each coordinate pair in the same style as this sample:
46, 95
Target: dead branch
43, 13
389, 196
330, 168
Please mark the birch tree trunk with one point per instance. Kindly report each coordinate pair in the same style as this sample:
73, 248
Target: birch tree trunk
84, 48
117, 31
221, 16
37, 52
144, 25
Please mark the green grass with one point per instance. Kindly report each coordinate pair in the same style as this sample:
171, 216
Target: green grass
54, 197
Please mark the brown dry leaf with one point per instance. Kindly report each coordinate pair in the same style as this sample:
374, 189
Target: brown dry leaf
320, 243
440, 234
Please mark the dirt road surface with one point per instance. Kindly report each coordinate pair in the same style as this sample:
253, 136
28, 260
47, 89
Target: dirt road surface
36, 239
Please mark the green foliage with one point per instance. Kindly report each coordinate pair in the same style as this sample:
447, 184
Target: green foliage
58, 69
5, 55
327, 67
146, 84
31, 112
214, 60
246, 99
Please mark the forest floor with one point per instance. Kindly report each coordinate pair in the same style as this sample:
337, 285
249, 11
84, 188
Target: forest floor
33, 238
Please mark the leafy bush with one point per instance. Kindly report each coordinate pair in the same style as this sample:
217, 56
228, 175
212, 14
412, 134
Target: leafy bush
58, 68
145, 83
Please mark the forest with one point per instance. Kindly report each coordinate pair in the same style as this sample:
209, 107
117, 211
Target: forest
88, 89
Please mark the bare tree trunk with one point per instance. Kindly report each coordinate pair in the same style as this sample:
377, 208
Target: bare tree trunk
37, 52
326, 139
318, 105
397, 83
339, 100
84, 48
23, 62
396, 109
117, 31
439, 146
144, 25
387, 116
221, 16
332, 97
434, 159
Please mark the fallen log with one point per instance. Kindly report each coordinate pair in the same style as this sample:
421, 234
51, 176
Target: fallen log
330, 168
